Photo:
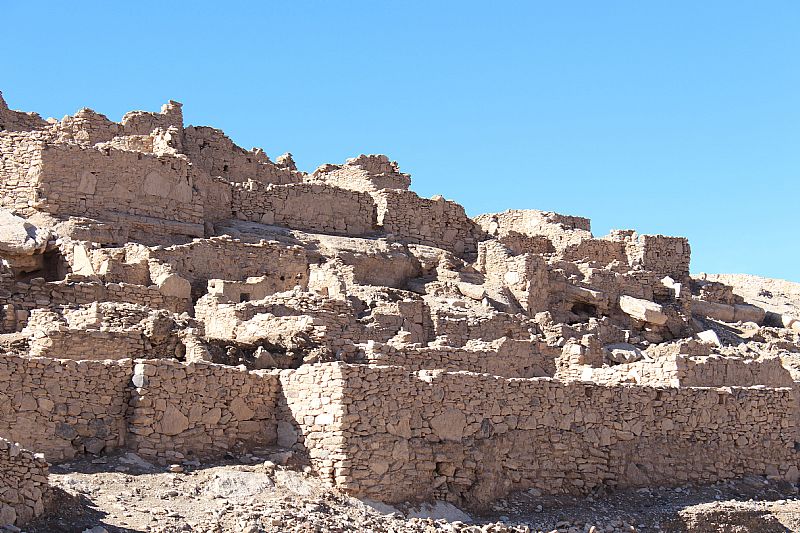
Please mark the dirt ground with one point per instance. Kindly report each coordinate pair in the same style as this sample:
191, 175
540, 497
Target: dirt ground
123, 493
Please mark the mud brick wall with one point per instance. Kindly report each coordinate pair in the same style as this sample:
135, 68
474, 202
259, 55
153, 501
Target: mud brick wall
200, 410
63, 408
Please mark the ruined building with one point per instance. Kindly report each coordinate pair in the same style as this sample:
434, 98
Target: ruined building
164, 291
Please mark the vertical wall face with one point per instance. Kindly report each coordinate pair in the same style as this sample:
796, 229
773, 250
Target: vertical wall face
211, 150
200, 410
119, 181
306, 206
311, 418
426, 221
19, 170
63, 408
471, 437
23, 483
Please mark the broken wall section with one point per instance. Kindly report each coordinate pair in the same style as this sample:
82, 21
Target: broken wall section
432, 222
23, 484
211, 150
314, 207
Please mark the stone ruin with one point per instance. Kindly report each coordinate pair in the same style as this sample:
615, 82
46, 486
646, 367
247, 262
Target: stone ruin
164, 291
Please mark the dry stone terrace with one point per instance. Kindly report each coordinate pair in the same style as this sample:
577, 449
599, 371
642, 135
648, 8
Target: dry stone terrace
167, 292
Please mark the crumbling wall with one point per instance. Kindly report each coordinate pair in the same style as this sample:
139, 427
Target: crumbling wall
231, 259
561, 230
211, 150
433, 222
504, 357
63, 408
144, 122
23, 484
307, 206
364, 173
664, 256
471, 437
200, 410
19, 298
461, 327
11, 120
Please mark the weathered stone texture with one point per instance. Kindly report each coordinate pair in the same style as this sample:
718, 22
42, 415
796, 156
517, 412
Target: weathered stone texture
306, 206
23, 484
200, 410
63, 408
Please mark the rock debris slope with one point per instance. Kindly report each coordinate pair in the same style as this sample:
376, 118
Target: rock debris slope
167, 293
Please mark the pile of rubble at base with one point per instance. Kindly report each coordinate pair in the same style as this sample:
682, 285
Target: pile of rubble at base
167, 292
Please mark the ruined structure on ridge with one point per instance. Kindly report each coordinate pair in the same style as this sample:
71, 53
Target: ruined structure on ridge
165, 291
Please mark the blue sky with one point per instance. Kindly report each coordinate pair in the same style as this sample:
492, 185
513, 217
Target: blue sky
680, 118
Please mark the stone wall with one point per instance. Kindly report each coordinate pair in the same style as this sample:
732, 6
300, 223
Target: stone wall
561, 230
11, 120
664, 256
364, 173
19, 298
311, 416
312, 207
230, 259
21, 162
211, 150
433, 222
91, 182
63, 408
23, 484
504, 357
687, 371
471, 437
200, 410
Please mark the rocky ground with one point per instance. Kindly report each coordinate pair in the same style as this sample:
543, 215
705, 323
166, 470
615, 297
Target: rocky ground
123, 493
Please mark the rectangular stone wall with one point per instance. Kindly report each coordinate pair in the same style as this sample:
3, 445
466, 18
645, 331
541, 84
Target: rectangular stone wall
440, 223
311, 416
666, 256
19, 166
231, 259
63, 408
471, 437
200, 410
23, 484
508, 358
312, 207
98, 183
18, 298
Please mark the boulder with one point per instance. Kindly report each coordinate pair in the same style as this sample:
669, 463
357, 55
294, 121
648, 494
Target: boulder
709, 336
20, 237
643, 310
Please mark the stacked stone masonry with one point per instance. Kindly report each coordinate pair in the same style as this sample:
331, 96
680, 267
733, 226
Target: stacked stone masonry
23, 484
165, 291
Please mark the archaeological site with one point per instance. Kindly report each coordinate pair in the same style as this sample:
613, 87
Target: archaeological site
170, 296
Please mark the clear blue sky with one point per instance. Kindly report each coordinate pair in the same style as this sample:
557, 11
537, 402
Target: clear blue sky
675, 117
